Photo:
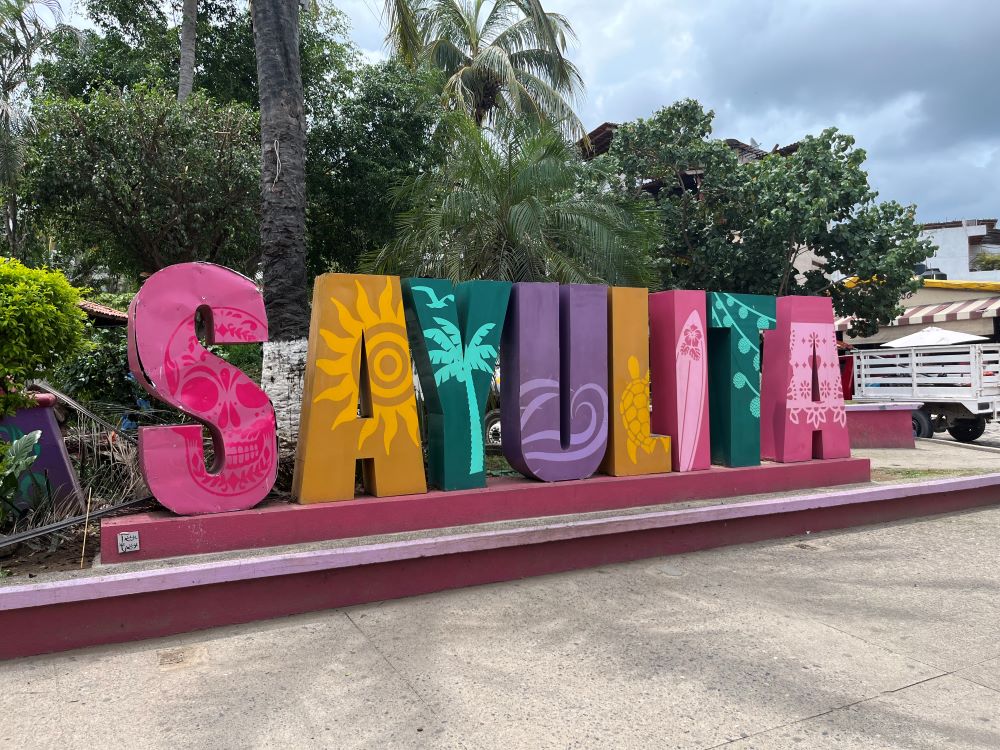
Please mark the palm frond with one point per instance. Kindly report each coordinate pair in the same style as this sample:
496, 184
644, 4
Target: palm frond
513, 59
501, 16
550, 102
403, 28
513, 204
444, 55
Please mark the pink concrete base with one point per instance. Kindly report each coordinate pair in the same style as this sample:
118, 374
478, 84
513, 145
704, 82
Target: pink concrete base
163, 534
66, 614
881, 425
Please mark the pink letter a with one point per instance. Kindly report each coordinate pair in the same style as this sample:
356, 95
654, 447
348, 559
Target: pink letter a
802, 404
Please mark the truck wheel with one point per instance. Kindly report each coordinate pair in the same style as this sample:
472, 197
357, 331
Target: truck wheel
967, 430
922, 427
491, 425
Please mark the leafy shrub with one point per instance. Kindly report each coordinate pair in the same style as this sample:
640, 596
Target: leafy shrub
148, 181
115, 300
100, 371
40, 325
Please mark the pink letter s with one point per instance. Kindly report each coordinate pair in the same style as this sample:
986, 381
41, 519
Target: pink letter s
168, 360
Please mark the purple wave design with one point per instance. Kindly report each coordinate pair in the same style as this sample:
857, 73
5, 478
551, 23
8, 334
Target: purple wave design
588, 422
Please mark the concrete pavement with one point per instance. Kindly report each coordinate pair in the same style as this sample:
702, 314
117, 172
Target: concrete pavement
934, 456
881, 637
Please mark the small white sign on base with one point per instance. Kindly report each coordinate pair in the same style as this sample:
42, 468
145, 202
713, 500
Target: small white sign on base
128, 541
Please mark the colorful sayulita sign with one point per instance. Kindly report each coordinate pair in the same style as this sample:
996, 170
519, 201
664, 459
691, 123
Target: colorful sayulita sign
592, 378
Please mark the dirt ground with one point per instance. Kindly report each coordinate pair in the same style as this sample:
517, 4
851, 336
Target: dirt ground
57, 552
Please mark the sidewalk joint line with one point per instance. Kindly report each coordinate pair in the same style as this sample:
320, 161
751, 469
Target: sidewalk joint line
392, 666
828, 711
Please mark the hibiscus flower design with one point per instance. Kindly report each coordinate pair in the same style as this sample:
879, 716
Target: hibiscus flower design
691, 342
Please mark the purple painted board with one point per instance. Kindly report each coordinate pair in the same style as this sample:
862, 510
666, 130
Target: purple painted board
554, 356
52, 467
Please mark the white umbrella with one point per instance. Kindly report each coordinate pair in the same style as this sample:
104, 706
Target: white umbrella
934, 336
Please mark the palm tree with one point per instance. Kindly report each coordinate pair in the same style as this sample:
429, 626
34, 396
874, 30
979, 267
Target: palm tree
501, 58
189, 34
283, 204
23, 32
452, 362
514, 206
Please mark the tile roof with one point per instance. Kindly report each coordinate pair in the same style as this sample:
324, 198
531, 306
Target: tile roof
103, 313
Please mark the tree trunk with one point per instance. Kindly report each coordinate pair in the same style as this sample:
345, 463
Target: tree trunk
283, 206
189, 34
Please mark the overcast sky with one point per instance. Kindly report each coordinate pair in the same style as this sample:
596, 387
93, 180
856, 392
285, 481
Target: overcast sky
913, 81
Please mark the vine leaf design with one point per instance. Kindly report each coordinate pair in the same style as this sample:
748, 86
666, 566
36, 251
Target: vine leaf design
747, 345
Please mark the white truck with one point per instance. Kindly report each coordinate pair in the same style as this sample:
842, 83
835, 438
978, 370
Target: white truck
958, 385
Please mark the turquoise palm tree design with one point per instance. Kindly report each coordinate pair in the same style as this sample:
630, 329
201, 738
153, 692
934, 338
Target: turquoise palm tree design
452, 362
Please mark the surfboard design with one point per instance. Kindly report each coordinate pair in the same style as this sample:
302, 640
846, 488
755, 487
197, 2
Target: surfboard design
692, 374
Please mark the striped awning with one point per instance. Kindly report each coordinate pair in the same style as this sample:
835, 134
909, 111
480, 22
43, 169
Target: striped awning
943, 312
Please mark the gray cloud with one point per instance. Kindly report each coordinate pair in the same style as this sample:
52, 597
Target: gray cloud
912, 80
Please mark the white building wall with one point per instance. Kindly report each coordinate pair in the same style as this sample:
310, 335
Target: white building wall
952, 254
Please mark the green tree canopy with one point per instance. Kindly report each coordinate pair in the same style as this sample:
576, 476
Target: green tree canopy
512, 206
136, 42
805, 223
133, 47
24, 31
378, 134
146, 182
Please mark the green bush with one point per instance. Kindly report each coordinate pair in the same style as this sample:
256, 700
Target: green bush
100, 371
145, 181
41, 324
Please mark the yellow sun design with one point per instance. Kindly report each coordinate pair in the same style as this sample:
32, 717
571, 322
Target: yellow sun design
388, 359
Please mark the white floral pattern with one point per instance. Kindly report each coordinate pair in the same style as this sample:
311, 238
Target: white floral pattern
815, 341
